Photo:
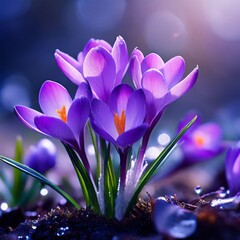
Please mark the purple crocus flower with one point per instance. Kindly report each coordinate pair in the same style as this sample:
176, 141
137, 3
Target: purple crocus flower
202, 141
122, 121
233, 169
62, 117
99, 64
162, 82
42, 156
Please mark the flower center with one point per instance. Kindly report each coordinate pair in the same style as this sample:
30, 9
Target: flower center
120, 122
62, 113
199, 141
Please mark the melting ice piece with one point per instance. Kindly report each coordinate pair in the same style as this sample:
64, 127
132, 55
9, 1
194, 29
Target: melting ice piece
172, 220
227, 203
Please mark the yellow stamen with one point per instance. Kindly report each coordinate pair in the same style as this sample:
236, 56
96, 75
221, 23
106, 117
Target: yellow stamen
199, 141
120, 122
62, 113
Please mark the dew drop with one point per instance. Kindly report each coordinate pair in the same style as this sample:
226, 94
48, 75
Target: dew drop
61, 231
172, 220
198, 190
24, 237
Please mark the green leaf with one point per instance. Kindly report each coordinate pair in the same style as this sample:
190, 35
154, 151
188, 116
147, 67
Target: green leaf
40, 177
157, 164
85, 180
19, 179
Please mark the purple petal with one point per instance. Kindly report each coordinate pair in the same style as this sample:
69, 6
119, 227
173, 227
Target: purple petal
77, 115
173, 70
154, 82
233, 169
69, 68
120, 56
27, 115
136, 110
100, 71
119, 98
135, 71
52, 97
152, 60
92, 43
68, 58
103, 118
84, 90
56, 128
101, 132
182, 87
131, 136
138, 54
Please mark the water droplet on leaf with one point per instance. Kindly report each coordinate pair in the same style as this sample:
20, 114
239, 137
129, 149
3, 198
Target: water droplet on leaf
61, 231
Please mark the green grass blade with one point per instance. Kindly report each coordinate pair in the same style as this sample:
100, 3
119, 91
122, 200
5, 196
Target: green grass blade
85, 180
40, 177
18, 181
156, 164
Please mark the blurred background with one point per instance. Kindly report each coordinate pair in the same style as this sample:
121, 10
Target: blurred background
204, 33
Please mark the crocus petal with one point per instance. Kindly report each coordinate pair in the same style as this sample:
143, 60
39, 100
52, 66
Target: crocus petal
84, 90
103, 118
100, 70
120, 56
56, 128
182, 87
67, 58
135, 71
152, 60
130, 137
27, 115
77, 115
232, 164
154, 82
136, 109
101, 132
69, 67
173, 70
52, 97
92, 43
119, 98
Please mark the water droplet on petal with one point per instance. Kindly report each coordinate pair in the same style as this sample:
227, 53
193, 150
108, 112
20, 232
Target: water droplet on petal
24, 237
198, 190
172, 220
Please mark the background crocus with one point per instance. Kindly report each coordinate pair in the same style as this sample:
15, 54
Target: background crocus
62, 118
99, 64
202, 141
232, 168
42, 156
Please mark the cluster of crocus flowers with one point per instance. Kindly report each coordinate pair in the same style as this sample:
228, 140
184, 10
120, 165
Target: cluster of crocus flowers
116, 113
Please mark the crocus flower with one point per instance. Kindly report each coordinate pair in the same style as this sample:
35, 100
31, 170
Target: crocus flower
201, 141
62, 117
42, 156
122, 121
99, 64
161, 82
232, 168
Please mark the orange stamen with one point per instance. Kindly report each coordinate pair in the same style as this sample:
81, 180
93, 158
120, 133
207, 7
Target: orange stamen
62, 113
199, 141
120, 122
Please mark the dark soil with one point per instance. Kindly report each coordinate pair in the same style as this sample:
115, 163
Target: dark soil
67, 223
